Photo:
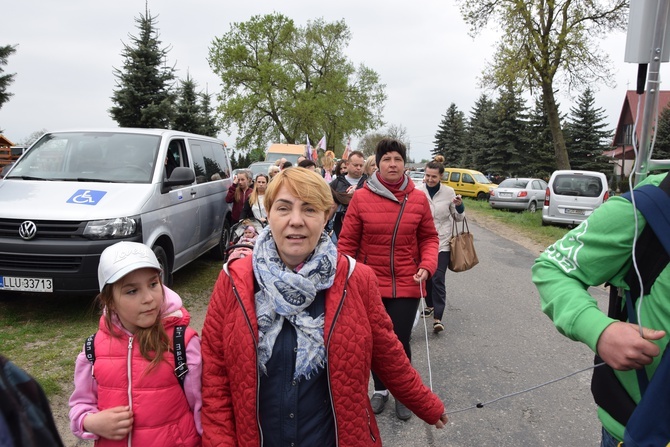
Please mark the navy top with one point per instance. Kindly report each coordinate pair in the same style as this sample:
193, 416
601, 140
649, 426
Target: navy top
295, 412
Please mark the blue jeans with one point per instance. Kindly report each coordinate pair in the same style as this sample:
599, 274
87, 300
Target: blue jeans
608, 440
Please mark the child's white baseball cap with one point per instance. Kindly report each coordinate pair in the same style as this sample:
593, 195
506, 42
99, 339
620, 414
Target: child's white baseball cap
119, 259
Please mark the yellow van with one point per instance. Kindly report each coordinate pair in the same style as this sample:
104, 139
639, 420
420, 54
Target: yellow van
468, 183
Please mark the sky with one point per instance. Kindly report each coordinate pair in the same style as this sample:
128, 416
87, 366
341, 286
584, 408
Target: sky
67, 51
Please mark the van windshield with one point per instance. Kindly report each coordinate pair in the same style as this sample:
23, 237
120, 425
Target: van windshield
578, 185
90, 156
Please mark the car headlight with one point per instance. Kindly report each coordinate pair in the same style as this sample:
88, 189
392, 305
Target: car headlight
111, 228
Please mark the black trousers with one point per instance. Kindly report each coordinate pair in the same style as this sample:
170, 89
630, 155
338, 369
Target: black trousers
436, 291
402, 312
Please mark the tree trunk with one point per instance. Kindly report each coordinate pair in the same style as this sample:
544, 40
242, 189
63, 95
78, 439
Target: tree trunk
560, 151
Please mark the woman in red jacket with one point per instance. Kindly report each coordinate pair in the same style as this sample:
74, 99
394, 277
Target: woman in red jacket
292, 332
238, 193
389, 227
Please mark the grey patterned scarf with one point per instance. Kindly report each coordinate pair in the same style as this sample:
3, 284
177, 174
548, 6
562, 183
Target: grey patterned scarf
285, 294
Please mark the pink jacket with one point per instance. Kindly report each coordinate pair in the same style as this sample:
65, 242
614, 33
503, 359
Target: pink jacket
358, 335
107, 385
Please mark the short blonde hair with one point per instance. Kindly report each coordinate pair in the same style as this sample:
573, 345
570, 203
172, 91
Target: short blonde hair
304, 184
367, 166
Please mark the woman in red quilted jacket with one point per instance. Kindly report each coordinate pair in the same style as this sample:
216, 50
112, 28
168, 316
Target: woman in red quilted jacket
292, 332
389, 227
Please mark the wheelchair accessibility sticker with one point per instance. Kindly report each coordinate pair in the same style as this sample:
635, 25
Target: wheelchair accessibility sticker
86, 197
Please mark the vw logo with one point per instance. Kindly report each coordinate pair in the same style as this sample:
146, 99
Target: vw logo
27, 230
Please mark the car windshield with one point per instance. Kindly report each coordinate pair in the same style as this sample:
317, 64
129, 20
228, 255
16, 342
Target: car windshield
90, 156
481, 178
513, 183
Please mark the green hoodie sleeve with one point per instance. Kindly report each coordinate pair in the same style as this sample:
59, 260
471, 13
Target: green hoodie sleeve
597, 251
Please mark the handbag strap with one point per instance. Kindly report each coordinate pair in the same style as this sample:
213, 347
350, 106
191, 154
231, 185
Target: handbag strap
464, 227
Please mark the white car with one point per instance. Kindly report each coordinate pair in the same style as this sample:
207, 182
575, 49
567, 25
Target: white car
417, 177
572, 196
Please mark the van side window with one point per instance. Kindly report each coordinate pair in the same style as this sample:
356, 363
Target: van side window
221, 157
445, 176
455, 176
467, 178
176, 157
199, 162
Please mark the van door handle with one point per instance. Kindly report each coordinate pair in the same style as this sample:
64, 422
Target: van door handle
193, 192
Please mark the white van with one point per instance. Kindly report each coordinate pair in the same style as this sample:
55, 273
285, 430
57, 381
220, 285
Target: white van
571, 196
74, 193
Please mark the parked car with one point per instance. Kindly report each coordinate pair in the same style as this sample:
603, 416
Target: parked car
571, 196
468, 182
519, 194
74, 193
417, 177
260, 167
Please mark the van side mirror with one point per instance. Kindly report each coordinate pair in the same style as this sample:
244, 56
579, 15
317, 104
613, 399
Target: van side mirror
180, 176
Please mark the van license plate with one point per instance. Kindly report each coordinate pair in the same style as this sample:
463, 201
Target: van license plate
571, 211
26, 284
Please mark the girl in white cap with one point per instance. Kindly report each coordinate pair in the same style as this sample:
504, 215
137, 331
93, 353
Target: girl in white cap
138, 379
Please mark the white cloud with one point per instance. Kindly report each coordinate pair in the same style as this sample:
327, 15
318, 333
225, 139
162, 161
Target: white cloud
67, 50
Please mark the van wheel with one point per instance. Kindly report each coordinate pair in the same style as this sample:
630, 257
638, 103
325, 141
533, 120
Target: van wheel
532, 207
219, 251
166, 275
482, 196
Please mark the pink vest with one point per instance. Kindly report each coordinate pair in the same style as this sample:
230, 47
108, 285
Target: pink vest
162, 416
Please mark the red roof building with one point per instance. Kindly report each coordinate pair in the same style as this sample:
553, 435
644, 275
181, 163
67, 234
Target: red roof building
622, 154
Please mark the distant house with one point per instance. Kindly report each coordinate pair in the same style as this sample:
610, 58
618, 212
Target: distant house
4, 142
623, 155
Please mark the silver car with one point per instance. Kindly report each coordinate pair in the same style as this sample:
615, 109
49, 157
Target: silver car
519, 194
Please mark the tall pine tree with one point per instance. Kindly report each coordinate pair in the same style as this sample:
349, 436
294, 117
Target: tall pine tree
188, 115
209, 125
509, 134
450, 137
586, 135
143, 96
5, 79
478, 135
661, 149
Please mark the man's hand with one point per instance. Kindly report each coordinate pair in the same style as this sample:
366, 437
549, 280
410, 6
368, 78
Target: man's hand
622, 348
113, 423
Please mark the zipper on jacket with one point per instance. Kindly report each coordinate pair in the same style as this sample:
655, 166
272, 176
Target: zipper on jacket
330, 389
395, 233
129, 364
258, 376
372, 435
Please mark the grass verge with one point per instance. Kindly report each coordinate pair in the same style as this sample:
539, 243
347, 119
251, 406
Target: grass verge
43, 333
525, 223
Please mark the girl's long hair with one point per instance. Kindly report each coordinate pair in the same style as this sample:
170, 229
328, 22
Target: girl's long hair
239, 194
153, 341
253, 198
